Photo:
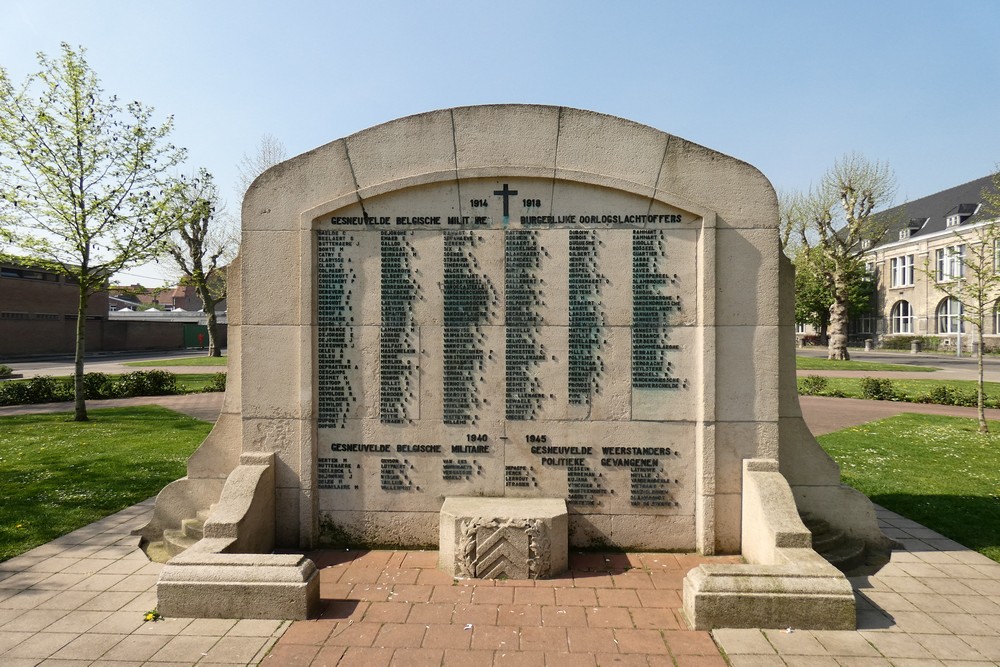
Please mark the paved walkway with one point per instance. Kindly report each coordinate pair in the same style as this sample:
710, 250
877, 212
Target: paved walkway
80, 600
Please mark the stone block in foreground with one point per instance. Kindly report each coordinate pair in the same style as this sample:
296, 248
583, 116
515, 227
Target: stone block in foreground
504, 538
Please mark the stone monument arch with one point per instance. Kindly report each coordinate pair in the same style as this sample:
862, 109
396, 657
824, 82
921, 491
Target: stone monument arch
563, 322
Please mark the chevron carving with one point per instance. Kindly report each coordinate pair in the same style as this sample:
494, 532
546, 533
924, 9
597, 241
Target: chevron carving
504, 549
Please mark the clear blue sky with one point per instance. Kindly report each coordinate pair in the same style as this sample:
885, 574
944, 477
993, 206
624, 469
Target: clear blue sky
787, 86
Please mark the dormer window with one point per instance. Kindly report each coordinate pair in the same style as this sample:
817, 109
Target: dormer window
904, 234
866, 244
953, 220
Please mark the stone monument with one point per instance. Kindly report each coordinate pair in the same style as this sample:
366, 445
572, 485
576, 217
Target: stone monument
504, 331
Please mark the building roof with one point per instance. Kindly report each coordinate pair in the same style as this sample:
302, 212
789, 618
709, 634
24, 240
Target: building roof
930, 214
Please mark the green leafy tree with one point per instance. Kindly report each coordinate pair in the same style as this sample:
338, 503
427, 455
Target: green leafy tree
835, 223
84, 178
202, 245
813, 297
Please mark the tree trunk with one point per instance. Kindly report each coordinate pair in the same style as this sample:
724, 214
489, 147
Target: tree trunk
80, 400
213, 349
838, 331
980, 394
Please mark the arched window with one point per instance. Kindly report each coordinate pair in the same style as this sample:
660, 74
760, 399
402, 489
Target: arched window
996, 317
901, 317
949, 316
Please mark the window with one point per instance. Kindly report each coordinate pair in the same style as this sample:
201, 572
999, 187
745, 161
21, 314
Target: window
901, 317
949, 316
950, 262
861, 325
800, 328
902, 271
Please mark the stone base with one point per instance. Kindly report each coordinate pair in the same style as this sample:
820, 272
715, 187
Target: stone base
804, 597
204, 584
504, 538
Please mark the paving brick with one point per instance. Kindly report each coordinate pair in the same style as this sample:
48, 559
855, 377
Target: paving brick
431, 612
565, 617
608, 617
534, 596
308, 632
475, 614
591, 640
644, 641
655, 618
561, 659
417, 657
612, 597
582, 597
399, 635
447, 636
290, 655
544, 639
467, 658
519, 614
361, 656
496, 638
349, 634
519, 659
493, 595
453, 594
387, 612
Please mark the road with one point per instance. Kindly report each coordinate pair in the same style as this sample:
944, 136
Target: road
112, 362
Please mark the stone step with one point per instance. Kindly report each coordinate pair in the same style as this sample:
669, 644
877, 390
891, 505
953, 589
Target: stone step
193, 528
176, 541
157, 552
847, 555
815, 524
825, 541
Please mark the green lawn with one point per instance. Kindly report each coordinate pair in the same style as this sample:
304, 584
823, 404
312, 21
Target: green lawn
817, 364
937, 471
183, 361
58, 475
909, 390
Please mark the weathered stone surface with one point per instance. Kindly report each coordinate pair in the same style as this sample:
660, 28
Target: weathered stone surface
503, 538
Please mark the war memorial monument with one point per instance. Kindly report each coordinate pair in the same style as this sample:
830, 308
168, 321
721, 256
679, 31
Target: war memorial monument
504, 332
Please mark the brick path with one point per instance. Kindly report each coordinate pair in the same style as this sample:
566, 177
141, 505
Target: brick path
397, 608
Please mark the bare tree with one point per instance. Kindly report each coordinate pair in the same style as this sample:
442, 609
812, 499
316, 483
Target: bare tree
270, 152
836, 223
977, 285
84, 179
203, 243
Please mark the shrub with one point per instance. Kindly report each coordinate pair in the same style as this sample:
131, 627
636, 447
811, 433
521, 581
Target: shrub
812, 385
217, 383
811, 340
98, 385
879, 389
14, 393
6, 371
945, 395
146, 383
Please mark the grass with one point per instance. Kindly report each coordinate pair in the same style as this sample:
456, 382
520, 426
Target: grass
184, 361
935, 470
910, 389
58, 475
817, 364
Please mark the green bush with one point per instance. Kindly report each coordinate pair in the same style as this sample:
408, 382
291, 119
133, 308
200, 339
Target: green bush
879, 389
13, 393
146, 383
813, 385
6, 371
218, 383
98, 385
945, 395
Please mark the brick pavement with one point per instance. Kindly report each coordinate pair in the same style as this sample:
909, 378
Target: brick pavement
397, 608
